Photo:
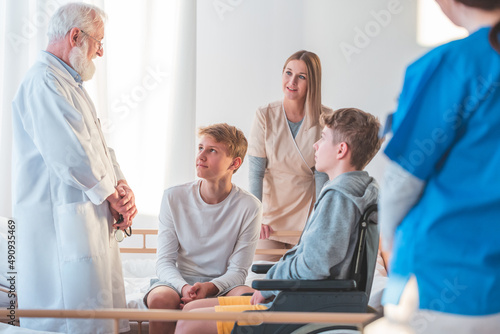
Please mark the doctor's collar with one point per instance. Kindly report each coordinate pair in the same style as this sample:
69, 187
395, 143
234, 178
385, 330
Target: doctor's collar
74, 74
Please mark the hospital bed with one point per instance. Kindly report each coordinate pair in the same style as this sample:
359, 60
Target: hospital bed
139, 269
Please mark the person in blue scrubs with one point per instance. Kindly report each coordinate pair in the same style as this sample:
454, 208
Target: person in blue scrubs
440, 203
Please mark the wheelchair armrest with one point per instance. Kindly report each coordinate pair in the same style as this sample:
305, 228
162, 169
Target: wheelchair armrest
261, 268
303, 285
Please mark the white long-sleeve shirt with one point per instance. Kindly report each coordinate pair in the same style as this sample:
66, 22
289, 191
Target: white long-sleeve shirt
207, 240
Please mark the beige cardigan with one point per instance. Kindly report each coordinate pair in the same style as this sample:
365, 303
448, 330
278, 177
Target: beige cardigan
289, 188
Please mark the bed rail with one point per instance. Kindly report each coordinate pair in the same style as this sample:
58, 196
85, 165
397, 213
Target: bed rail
144, 248
151, 250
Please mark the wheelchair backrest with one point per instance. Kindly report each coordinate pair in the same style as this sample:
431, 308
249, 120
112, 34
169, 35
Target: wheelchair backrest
365, 253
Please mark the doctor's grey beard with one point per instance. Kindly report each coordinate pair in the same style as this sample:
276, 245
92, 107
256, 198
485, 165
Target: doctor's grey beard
78, 60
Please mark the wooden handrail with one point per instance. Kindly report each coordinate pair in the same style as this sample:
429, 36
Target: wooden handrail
254, 318
169, 315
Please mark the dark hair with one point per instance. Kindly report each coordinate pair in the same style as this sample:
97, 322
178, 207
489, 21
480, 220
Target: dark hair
487, 5
359, 130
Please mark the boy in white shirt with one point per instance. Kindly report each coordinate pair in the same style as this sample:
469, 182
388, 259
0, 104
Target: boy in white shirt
208, 229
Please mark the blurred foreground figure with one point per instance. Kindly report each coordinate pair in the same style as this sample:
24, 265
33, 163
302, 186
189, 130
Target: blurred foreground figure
440, 201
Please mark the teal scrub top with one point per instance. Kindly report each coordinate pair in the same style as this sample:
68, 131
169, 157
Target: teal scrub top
446, 132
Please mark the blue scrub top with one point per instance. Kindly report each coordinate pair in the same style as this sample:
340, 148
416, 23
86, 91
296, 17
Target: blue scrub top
446, 132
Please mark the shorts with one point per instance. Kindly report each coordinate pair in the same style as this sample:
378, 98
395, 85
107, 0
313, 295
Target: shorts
234, 304
155, 282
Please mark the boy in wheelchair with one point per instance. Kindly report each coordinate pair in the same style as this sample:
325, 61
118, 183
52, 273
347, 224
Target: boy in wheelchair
348, 142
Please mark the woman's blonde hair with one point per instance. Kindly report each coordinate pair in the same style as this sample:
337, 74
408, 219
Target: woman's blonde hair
313, 97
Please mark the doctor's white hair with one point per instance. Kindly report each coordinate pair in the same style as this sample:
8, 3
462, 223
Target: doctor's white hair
75, 15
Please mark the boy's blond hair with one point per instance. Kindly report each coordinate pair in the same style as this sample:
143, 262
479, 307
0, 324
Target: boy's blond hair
231, 136
359, 130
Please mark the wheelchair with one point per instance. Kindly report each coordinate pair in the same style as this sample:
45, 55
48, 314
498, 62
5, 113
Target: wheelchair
329, 295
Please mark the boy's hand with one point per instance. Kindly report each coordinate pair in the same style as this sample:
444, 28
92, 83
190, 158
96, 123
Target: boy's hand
198, 291
265, 231
204, 290
257, 298
186, 294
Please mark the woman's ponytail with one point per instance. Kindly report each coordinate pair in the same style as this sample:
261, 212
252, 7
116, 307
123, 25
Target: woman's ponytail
487, 5
494, 35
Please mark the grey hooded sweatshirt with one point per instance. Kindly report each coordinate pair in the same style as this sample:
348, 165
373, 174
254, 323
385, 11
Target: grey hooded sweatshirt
326, 246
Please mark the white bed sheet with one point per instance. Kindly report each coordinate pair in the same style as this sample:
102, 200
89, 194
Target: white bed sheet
137, 274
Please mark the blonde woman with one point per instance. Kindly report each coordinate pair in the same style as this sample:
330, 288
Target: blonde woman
281, 153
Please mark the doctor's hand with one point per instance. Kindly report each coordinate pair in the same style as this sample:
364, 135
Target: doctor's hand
127, 201
113, 204
116, 210
122, 201
265, 231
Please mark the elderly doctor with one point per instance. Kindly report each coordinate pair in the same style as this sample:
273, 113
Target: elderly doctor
68, 187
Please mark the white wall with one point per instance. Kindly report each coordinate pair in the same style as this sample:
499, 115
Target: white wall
241, 48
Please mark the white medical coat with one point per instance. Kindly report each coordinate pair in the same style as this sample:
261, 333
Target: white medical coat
62, 174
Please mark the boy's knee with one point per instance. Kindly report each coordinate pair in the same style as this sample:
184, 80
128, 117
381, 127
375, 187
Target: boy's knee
189, 307
241, 291
160, 300
182, 327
